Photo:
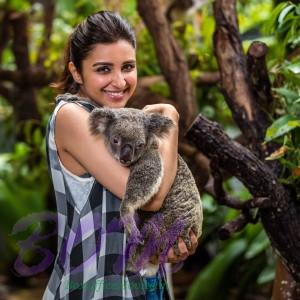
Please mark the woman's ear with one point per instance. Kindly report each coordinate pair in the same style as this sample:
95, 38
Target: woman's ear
75, 74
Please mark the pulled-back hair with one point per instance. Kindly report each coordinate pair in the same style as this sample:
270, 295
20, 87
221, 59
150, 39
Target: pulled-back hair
102, 27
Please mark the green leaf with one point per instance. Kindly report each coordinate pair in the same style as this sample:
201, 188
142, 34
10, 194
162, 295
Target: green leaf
295, 68
271, 23
207, 284
284, 12
282, 126
267, 275
288, 94
21, 149
19, 5
259, 244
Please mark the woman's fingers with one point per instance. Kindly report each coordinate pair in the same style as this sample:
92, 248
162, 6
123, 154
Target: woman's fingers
194, 242
166, 110
183, 250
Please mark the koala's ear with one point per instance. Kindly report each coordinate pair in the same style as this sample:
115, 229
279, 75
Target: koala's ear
158, 124
99, 119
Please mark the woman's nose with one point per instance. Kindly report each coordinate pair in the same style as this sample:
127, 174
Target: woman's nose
118, 80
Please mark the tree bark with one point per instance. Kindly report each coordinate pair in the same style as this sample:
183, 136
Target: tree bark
281, 218
19, 86
171, 59
250, 118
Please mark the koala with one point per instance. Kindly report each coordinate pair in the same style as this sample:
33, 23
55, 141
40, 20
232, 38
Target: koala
132, 137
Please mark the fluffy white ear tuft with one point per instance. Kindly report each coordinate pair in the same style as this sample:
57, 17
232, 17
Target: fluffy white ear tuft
99, 119
158, 124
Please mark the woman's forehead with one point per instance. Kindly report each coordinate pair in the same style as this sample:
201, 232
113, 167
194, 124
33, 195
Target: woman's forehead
112, 52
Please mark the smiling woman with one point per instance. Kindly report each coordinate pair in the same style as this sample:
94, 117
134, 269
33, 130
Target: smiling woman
108, 74
89, 183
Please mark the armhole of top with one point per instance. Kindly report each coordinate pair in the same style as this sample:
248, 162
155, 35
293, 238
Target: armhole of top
85, 177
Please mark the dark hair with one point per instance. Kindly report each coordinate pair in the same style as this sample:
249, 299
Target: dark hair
102, 27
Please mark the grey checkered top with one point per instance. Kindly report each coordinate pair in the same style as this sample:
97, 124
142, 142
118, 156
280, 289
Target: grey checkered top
90, 261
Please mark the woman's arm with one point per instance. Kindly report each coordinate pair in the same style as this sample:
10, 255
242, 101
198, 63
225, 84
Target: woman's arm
75, 142
91, 155
89, 152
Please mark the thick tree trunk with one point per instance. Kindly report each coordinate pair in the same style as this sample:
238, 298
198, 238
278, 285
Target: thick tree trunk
23, 81
24, 100
171, 60
250, 118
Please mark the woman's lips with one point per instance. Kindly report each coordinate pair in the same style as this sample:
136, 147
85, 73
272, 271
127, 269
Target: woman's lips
118, 95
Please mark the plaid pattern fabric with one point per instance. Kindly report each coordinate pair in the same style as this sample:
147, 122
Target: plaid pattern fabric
90, 260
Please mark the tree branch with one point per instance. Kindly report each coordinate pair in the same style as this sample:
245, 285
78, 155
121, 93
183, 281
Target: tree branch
234, 75
20, 40
33, 76
282, 217
4, 33
233, 226
258, 72
49, 11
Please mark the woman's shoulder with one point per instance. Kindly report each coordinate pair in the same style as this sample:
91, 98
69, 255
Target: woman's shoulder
73, 136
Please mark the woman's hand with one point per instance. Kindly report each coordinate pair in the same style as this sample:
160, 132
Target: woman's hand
166, 110
184, 252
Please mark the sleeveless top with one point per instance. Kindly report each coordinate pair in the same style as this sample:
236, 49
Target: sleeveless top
90, 261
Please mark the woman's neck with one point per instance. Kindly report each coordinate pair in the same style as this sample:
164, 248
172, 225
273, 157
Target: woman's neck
85, 98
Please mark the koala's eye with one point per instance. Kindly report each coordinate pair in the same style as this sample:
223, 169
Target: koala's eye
140, 145
115, 140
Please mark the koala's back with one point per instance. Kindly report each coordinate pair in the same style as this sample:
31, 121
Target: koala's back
183, 203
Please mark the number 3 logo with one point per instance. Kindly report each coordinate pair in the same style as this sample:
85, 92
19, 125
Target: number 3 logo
30, 243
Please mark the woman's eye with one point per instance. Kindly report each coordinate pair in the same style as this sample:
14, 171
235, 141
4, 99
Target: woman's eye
128, 67
103, 69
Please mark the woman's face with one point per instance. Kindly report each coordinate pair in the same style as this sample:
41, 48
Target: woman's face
108, 74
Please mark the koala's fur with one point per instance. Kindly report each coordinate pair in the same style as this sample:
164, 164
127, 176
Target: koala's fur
131, 136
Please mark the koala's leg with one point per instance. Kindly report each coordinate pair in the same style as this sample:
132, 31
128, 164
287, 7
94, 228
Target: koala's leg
127, 217
143, 182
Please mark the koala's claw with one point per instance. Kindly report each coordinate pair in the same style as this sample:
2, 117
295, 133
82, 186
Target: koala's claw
188, 243
176, 249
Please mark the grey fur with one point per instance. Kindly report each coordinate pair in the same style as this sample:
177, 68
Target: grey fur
131, 136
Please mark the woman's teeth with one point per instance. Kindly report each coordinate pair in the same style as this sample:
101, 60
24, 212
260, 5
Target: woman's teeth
115, 94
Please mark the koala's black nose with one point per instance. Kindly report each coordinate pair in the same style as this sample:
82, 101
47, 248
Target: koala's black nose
126, 153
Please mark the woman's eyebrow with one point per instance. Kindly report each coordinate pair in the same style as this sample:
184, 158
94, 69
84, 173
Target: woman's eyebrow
104, 63
129, 62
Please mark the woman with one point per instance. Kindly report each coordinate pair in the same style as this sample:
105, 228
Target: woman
100, 70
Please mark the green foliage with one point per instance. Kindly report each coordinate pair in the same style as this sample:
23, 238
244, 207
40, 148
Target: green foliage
24, 183
285, 75
211, 281
19, 5
242, 262
284, 22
